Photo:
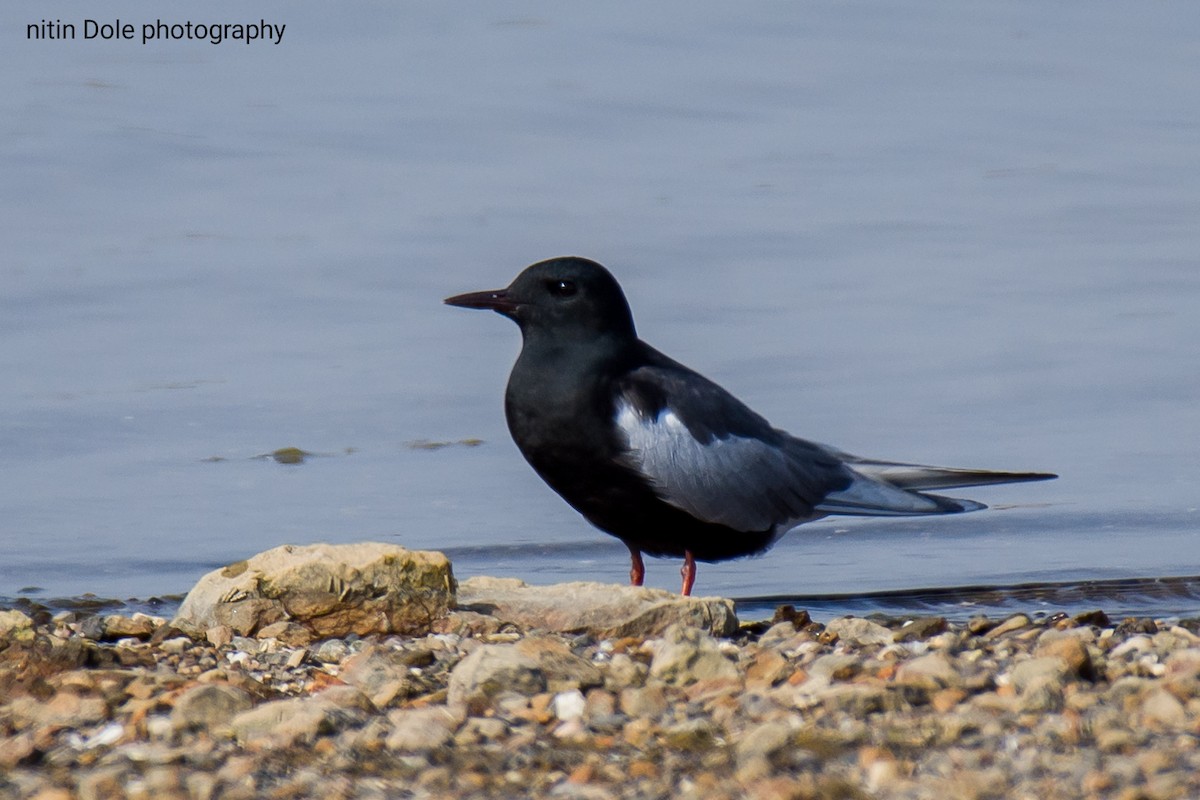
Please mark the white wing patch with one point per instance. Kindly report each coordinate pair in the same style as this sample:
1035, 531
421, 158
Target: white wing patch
738, 482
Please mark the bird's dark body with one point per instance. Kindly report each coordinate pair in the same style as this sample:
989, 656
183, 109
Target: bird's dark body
663, 458
561, 423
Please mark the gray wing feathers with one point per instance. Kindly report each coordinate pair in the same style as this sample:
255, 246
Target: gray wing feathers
872, 498
743, 483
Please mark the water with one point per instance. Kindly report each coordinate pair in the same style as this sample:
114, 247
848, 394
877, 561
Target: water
954, 234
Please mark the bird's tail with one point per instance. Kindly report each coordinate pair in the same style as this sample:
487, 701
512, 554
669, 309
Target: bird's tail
921, 476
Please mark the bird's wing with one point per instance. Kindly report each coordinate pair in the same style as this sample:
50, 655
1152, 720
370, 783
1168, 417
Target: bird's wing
707, 453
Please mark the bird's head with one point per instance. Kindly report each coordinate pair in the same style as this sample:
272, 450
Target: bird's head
560, 297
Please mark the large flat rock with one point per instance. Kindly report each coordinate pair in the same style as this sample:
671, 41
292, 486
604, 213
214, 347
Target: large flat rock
603, 610
324, 590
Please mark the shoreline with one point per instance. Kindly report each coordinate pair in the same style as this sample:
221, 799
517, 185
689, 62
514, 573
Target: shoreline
99, 705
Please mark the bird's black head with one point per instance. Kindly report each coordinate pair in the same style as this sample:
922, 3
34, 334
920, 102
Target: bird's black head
560, 297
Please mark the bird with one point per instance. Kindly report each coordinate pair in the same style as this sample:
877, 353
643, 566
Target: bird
663, 458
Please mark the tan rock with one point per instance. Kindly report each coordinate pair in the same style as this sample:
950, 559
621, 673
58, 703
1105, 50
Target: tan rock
685, 655
1068, 646
932, 672
209, 706
13, 620
422, 729
329, 590
381, 673
858, 631
527, 667
602, 610
301, 719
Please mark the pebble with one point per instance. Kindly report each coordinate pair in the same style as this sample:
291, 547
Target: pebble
114, 705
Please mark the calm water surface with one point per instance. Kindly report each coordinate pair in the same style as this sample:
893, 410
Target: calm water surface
957, 234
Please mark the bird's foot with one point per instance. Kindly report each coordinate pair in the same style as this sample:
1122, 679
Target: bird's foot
688, 571
637, 570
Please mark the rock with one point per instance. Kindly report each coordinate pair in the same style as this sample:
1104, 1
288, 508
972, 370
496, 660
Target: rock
15, 749
568, 705
527, 667
328, 590
64, 708
219, 635
209, 706
419, 730
603, 610
1070, 648
645, 702
1097, 618
835, 667
289, 633
685, 655
758, 746
1136, 625
858, 631
381, 673
932, 672
480, 729
920, 629
117, 626
1031, 672
1014, 623
301, 719
14, 620
767, 669
1164, 708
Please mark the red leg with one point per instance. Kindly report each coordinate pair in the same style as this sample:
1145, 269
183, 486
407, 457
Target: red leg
637, 570
688, 571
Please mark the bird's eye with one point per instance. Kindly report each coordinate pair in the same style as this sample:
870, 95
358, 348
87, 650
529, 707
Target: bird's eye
561, 288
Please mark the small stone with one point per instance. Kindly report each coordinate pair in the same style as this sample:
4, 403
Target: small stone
767, 669
1031, 671
480, 729
176, 646
52, 793
647, 702
332, 651
932, 672
526, 667
219, 635
1069, 648
422, 729
756, 747
382, 673
858, 631
139, 626
920, 629
789, 614
13, 620
301, 719
1164, 708
1097, 618
623, 671
1131, 625
15, 749
568, 705
835, 667
685, 655
209, 706
1014, 623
